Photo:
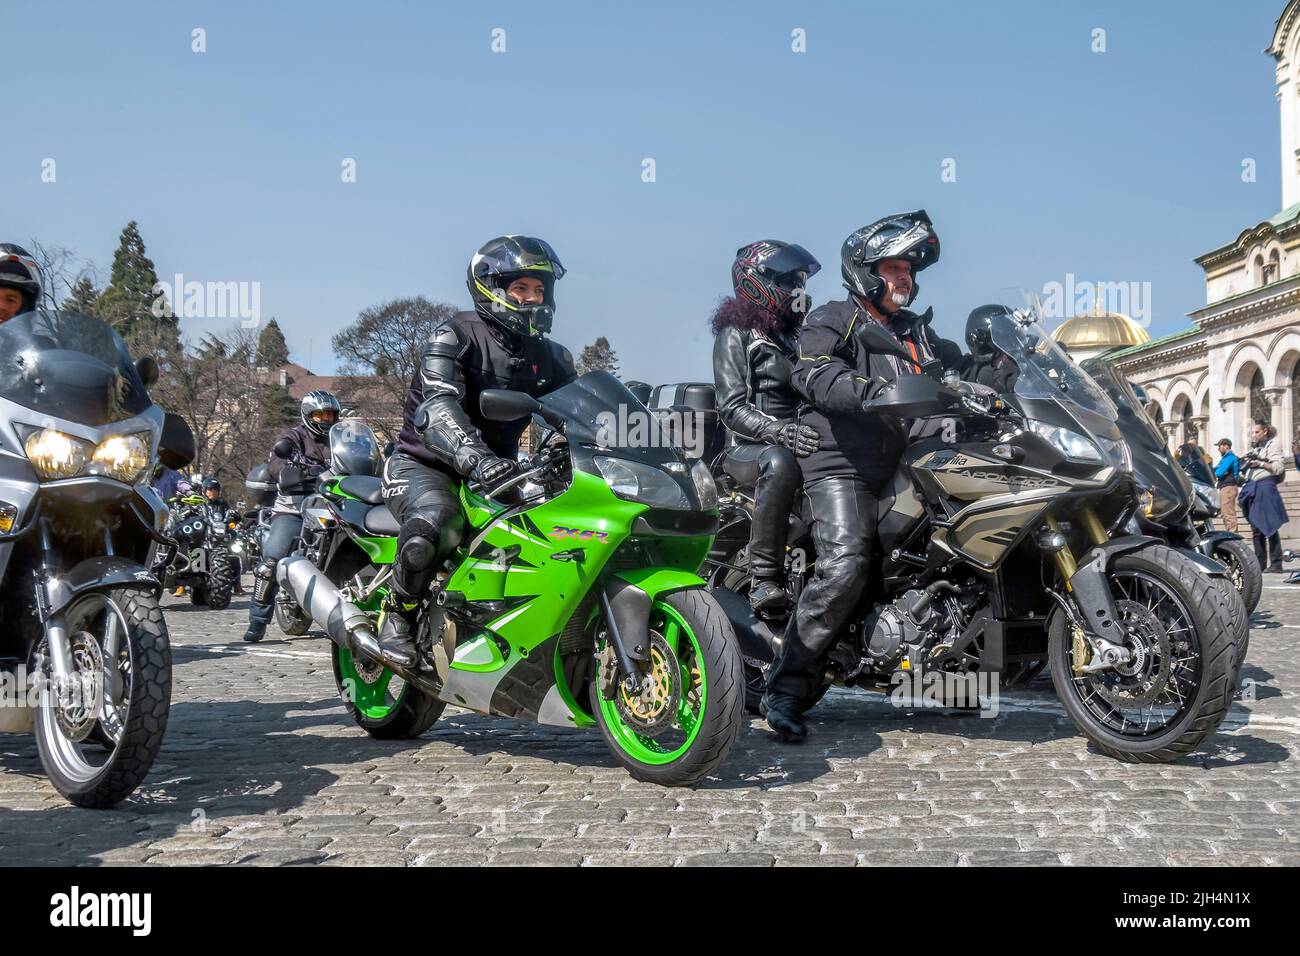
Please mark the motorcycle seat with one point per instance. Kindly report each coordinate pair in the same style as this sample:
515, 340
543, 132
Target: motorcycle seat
370, 490
379, 520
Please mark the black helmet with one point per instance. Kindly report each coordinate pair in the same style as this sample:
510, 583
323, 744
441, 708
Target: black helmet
18, 270
499, 263
211, 484
907, 235
770, 273
319, 400
979, 329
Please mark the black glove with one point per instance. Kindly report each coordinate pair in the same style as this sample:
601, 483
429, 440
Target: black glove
490, 470
803, 440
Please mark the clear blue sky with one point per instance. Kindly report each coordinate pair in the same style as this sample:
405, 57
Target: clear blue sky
1119, 166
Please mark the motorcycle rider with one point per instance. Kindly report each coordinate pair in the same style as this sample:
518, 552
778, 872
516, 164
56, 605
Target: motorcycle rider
836, 372
20, 281
296, 460
444, 438
753, 356
212, 493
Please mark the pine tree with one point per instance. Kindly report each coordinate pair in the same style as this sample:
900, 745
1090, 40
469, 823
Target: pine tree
272, 349
129, 302
82, 298
598, 356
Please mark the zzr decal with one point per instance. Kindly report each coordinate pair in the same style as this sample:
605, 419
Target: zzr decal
559, 531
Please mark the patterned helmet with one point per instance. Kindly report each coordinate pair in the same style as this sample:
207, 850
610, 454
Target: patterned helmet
908, 235
18, 270
771, 274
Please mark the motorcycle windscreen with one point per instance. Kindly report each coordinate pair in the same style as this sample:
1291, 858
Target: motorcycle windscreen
354, 449
1170, 488
601, 412
69, 366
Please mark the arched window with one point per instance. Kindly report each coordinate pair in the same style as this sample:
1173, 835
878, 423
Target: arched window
1257, 270
1273, 271
1259, 407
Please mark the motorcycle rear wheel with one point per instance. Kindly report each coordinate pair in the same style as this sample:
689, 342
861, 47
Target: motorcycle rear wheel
367, 692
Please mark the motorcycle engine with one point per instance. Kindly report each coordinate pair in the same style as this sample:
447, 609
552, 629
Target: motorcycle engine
906, 626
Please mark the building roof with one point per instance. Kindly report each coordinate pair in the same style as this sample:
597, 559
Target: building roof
1101, 330
1152, 345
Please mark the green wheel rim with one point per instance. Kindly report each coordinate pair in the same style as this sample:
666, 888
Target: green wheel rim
649, 750
371, 699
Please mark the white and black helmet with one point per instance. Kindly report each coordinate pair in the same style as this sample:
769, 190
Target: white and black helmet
18, 270
318, 401
908, 235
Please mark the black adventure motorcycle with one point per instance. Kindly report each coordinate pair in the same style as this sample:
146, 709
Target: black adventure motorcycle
1171, 503
84, 650
205, 560
1008, 548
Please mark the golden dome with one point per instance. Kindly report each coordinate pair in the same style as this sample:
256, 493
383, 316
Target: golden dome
1100, 331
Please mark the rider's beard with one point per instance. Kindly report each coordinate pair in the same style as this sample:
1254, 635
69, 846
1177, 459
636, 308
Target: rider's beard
898, 298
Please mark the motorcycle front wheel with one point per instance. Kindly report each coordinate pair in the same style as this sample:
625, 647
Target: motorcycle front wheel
98, 737
678, 729
1243, 569
1178, 684
221, 580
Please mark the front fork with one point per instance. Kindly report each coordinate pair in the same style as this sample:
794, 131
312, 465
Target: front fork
1091, 652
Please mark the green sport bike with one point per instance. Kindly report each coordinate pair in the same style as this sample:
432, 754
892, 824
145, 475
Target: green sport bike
577, 603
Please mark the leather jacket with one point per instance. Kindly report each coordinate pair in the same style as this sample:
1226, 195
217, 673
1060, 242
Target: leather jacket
751, 374
442, 426
836, 372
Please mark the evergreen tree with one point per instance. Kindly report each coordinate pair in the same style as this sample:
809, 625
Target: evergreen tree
599, 356
82, 298
272, 349
129, 302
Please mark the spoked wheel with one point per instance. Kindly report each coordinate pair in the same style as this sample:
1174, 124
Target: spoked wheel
1175, 689
1243, 570
680, 724
98, 736
381, 703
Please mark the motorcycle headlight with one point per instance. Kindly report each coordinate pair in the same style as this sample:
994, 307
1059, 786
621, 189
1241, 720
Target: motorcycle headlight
633, 481
706, 489
124, 457
55, 455
1070, 444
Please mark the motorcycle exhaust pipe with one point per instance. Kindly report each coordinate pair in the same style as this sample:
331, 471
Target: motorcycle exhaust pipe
345, 623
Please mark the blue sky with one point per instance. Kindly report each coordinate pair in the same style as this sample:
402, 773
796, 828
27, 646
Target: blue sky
1119, 166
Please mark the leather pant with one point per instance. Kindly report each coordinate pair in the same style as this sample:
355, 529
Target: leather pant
773, 472
843, 513
427, 508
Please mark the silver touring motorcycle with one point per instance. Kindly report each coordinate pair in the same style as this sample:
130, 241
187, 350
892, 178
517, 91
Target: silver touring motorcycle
84, 654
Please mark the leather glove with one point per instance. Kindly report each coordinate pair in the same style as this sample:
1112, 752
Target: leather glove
489, 471
803, 440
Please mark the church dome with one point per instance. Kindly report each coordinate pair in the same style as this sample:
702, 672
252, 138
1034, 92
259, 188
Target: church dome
1100, 331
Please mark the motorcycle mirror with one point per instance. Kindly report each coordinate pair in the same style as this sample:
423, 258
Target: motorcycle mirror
504, 405
147, 369
877, 339
176, 447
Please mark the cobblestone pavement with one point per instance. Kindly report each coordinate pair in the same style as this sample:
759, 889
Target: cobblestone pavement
262, 765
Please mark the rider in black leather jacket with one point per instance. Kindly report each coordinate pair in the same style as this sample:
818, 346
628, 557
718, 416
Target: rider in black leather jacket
837, 371
444, 438
753, 355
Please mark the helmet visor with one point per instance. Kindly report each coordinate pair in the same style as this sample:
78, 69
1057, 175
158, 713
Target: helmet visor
791, 260
518, 255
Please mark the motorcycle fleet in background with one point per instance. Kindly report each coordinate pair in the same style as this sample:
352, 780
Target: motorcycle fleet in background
606, 586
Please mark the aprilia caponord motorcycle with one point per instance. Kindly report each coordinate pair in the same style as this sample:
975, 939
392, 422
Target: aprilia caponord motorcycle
1008, 546
577, 605
204, 560
84, 651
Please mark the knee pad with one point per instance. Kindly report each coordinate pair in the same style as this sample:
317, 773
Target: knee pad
429, 538
263, 579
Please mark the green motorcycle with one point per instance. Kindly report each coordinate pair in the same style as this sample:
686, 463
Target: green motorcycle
576, 603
